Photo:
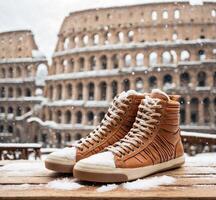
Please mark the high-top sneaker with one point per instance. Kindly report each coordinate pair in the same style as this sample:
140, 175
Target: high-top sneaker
153, 144
115, 125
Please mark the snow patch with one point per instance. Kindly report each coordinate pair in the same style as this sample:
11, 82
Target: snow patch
196, 2
23, 166
64, 184
148, 183
37, 54
106, 188
204, 159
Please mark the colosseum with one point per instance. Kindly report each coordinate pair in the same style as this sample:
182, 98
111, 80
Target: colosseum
101, 52
19, 61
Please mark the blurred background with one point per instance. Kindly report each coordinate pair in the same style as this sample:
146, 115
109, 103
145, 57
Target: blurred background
62, 63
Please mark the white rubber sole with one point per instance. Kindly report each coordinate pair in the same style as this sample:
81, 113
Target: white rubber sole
107, 174
59, 165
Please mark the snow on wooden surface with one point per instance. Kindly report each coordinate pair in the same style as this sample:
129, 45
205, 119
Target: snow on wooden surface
30, 180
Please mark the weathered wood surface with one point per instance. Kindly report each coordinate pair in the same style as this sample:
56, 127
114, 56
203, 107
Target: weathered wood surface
193, 181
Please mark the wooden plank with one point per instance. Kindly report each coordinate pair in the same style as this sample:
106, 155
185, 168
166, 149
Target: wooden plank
205, 192
192, 182
180, 181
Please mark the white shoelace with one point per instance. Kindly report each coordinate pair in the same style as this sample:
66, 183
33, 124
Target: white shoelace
115, 112
142, 127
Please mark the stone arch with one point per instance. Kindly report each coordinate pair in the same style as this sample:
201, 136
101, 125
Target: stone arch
18, 92
130, 36
167, 79
85, 40
107, 37
79, 88
81, 64
2, 109
10, 92
152, 82
185, 55
140, 59
78, 117
92, 61
90, 117
114, 88
2, 92
213, 13
126, 84
115, 61
76, 41
165, 14
1, 128
103, 91
3, 73
59, 92
103, 62
176, 14
69, 90
10, 128
91, 88
207, 112
182, 110
66, 43
68, 117
95, 39
127, 60
154, 15
18, 111
120, 36
10, 110
10, 72
201, 54
194, 103
51, 92
166, 57
28, 92
139, 84
201, 79
153, 58
184, 79
59, 116
50, 115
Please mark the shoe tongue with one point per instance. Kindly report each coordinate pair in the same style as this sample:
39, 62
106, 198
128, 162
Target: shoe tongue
158, 94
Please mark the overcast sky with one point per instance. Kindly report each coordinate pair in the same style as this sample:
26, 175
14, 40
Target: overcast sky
44, 17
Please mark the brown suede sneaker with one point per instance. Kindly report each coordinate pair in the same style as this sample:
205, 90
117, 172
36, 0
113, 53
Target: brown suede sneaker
115, 125
152, 145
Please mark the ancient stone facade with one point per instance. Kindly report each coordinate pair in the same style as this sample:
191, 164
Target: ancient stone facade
19, 60
101, 52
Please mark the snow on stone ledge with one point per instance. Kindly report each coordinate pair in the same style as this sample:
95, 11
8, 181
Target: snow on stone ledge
54, 125
200, 135
203, 159
24, 145
37, 54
